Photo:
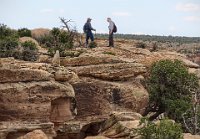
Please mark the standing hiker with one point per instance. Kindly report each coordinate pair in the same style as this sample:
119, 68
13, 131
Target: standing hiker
87, 28
112, 29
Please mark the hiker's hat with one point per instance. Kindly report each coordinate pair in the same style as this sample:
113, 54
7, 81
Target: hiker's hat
89, 18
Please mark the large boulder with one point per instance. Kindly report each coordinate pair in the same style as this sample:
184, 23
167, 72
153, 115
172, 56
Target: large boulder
190, 136
36, 134
121, 125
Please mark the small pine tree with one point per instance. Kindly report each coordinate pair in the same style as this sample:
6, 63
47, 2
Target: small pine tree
166, 129
24, 32
170, 86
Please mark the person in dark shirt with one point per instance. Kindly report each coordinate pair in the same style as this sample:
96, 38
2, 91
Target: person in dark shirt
87, 28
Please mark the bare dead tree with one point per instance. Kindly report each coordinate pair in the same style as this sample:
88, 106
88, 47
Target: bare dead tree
192, 123
73, 33
66, 23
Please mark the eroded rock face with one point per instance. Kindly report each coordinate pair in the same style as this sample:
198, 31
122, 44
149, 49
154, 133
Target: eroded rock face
23, 75
112, 78
30, 93
19, 129
95, 97
61, 110
88, 60
30, 100
119, 125
111, 72
103, 79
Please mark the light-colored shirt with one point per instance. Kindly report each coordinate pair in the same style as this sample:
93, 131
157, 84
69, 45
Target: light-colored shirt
111, 26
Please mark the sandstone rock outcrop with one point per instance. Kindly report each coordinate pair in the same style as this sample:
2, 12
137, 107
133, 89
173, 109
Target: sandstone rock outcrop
100, 98
56, 59
19, 129
121, 125
112, 78
36, 134
28, 93
190, 136
80, 94
33, 93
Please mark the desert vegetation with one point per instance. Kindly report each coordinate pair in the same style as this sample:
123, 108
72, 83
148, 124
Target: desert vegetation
11, 47
24, 32
165, 129
174, 91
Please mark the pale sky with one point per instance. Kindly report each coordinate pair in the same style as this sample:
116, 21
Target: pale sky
150, 17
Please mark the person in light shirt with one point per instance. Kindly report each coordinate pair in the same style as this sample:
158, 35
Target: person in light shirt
110, 27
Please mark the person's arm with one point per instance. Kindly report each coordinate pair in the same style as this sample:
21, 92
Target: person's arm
91, 28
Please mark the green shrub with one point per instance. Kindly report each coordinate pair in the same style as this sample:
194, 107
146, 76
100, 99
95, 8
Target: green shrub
92, 44
169, 87
7, 46
62, 47
29, 45
29, 52
175, 108
24, 32
55, 32
57, 40
8, 41
166, 129
45, 41
7, 32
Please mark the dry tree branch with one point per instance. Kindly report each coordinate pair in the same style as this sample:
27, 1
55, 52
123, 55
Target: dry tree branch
72, 32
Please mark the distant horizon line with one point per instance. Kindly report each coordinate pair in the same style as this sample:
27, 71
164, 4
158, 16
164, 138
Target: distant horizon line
115, 33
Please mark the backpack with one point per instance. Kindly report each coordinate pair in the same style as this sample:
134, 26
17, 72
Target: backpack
114, 29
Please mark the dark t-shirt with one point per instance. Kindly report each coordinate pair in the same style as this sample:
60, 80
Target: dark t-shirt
87, 27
